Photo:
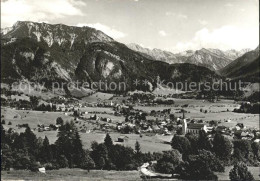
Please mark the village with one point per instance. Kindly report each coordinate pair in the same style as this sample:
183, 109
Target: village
151, 120
142, 114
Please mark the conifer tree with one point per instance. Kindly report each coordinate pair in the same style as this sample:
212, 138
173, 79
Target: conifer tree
46, 153
77, 149
108, 141
137, 147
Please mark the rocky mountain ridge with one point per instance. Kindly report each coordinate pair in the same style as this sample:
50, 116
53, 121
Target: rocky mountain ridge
213, 59
246, 67
48, 53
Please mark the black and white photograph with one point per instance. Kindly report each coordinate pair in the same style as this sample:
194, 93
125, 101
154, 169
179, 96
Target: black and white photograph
130, 90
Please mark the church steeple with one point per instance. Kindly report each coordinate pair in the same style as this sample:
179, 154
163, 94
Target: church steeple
184, 126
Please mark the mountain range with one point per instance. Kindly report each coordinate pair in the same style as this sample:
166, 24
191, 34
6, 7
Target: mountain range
213, 59
44, 52
246, 67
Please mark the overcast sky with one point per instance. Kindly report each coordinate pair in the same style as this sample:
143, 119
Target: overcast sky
174, 25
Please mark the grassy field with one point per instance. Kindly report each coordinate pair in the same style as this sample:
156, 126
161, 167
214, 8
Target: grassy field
216, 111
76, 92
148, 143
220, 111
33, 118
28, 88
71, 175
95, 175
99, 96
95, 109
166, 91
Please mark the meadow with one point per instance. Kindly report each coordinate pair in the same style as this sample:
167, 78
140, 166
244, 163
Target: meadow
98, 96
71, 175
220, 111
95, 175
148, 143
33, 118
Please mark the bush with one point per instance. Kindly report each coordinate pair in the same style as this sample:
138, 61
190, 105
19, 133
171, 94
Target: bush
165, 167
3, 121
182, 144
87, 162
9, 123
63, 162
169, 161
49, 166
130, 167
59, 120
127, 129
240, 172
111, 166
34, 167
195, 169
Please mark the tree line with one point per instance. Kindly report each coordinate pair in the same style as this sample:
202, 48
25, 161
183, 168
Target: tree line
196, 157
26, 151
191, 157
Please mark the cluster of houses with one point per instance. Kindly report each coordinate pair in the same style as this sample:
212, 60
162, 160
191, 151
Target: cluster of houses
238, 132
97, 118
155, 121
51, 127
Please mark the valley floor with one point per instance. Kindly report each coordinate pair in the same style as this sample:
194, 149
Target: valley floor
95, 175
216, 111
71, 175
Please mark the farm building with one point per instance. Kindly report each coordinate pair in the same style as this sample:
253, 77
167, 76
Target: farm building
122, 138
84, 131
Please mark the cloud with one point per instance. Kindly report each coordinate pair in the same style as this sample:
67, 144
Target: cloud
224, 38
229, 5
178, 15
168, 13
182, 16
162, 33
107, 30
34, 10
203, 22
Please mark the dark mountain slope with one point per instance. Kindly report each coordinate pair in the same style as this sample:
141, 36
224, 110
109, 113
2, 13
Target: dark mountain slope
246, 67
46, 53
66, 43
32, 60
114, 62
